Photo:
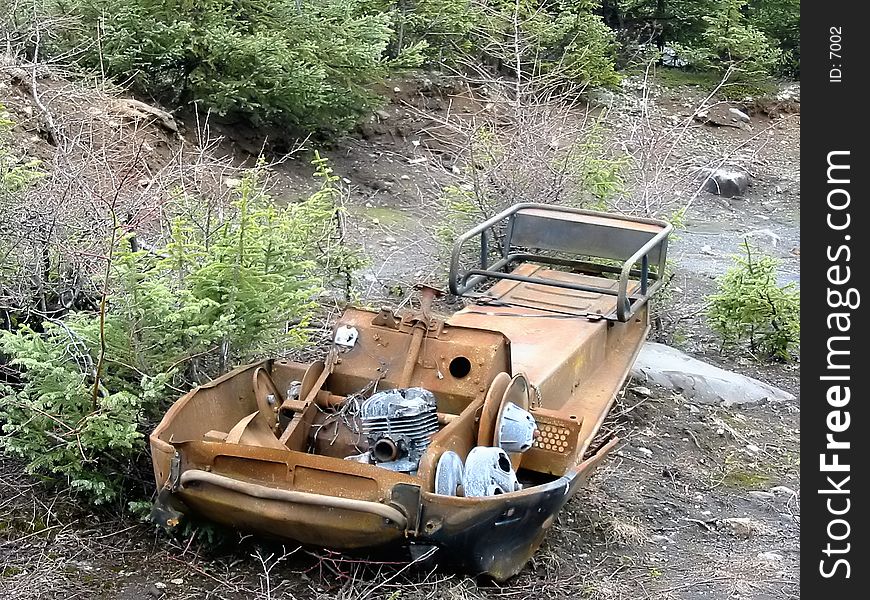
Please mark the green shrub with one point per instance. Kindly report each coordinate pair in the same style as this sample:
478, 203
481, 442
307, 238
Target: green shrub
211, 297
751, 308
780, 21
304, 64
53, 420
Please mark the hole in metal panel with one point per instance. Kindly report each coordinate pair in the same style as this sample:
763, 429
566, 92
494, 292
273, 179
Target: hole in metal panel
460, 367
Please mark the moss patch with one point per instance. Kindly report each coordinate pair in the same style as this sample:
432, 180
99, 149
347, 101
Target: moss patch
745, 479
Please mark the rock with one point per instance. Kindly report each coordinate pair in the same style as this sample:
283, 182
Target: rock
601, 97
670, 58
661, 539
381, 185
725, 182
770, 557
160, 585
139, 110
707, 249
739, 114
784, 490
405, 177
176, 581
790, 92
645, 451
764, 233
753, 448
698, 381
758, 495
739, 526
383, 115
642, 391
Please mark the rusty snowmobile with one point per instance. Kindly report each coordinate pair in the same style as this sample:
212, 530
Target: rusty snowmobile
467, 433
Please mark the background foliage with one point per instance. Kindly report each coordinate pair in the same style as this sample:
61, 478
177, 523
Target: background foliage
311, 65
218, 292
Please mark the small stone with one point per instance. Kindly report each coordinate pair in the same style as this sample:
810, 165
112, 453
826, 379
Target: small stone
160, 585
383, 115
390, 239
456, 170
376, 221
397, 89
770, 557
369, 205
753, 448
720, 431
764, 233
346, 180
707, 249
740, 526
642, 391
232, 182
736, 112
176, 581
758, 495
661, 539
784, 490
405, 177
645, 451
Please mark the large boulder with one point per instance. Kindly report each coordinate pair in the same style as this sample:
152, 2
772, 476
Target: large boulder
724, 181
701, 382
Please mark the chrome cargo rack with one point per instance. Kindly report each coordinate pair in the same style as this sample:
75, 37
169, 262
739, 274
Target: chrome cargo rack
540, 233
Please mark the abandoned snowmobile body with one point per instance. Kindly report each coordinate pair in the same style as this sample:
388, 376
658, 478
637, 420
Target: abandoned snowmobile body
467, 433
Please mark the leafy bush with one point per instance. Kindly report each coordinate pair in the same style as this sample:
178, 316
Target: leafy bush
750, 307
562, 39
780, 21
565, 39
54, 420
729, 40
303, 64
210, 297
753, 35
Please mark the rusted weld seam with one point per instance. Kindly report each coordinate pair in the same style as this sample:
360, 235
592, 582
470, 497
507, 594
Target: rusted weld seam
269, 493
